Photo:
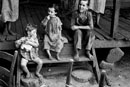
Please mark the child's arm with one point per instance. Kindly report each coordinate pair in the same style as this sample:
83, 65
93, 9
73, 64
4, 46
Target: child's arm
45, 20
60, 31
88, 27
20, 41
33, 43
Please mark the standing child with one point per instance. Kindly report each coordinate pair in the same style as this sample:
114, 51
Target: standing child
97, 6
9, 14
82, 25
29, 50
53, 39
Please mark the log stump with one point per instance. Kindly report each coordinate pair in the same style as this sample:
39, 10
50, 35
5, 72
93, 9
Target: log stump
33, 81
82, 75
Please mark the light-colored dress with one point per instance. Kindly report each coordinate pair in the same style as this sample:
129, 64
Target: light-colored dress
53, 39
97, 5
27, 51
10, 10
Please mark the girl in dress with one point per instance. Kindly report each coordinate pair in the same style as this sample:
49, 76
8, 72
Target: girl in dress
53, 39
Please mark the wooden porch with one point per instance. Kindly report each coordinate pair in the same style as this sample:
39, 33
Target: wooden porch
113, 33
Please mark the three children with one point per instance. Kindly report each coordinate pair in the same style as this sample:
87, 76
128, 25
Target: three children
81, 24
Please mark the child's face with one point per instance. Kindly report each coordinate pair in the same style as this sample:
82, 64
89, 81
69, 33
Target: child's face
51, 12
31, 33
83, 6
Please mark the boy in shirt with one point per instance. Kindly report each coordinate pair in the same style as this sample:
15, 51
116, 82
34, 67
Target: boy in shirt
82, 25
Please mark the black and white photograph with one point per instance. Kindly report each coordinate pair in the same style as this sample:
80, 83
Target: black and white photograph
64, 43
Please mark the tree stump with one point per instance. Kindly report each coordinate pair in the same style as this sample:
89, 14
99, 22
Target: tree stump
82, 75
114, 55
33, 81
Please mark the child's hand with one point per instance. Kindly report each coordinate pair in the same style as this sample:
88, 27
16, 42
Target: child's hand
48, 17
75, 27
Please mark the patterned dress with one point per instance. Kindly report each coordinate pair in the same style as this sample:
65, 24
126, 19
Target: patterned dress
27, 51
97, 5
53, 40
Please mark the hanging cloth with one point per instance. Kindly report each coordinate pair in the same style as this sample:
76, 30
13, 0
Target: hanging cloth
10, 10
97, 5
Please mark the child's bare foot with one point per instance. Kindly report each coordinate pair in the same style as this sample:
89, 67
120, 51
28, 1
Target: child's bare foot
38, 75
76, 57
50, 58
28, 75
57, 57
88, 54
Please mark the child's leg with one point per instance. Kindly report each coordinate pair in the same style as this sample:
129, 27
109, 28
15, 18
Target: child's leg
24, 67
97, 25
90, 37
57, 56
49, 54
39, 66
7, 29
77, 43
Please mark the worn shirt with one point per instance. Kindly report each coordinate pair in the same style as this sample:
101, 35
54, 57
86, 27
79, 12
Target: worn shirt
82, 19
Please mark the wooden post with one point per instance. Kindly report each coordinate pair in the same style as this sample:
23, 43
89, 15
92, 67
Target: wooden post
18, 71
12, 70
95, 65
69, 73
115, 17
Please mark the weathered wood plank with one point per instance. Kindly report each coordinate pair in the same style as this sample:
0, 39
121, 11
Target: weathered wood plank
95, 61
115, 18
122, 34
28, 16
13, 63
7, 45
104, 34
99, 36
64, 59
23, 19
18, 83
123, 23
111, 43
18, 25
33, 15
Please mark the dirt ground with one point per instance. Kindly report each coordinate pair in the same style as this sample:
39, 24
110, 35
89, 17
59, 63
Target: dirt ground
119, 76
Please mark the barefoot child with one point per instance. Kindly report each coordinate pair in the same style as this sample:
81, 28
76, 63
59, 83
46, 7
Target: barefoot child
82, 25
29, 50
98, 6
53, 40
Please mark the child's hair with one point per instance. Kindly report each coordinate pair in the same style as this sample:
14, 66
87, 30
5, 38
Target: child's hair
86, 0
31, 26
55, 6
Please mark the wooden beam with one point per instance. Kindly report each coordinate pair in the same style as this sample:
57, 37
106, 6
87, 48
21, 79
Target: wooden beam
11, 79
95, 65
115, 17
111, 43
68, 79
